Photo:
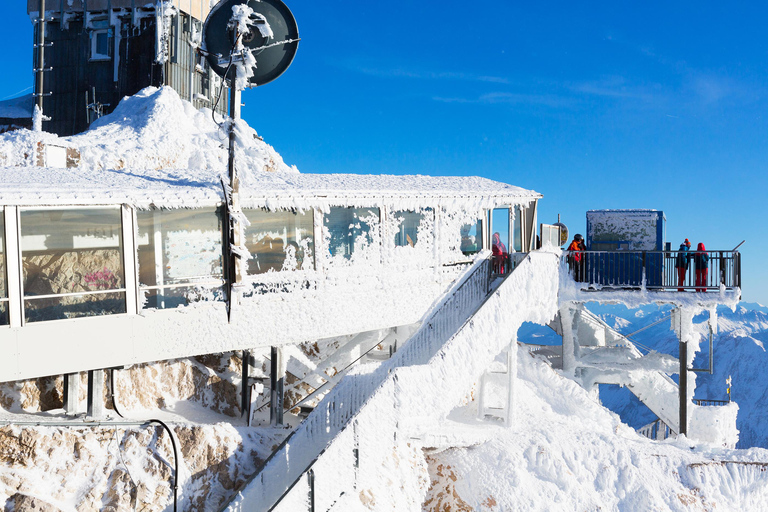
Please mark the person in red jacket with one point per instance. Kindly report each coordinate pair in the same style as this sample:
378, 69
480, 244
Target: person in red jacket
500, 254
701, 261
575, 258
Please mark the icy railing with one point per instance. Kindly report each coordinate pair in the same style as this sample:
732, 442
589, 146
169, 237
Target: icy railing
658, 430
283, 469
655, 270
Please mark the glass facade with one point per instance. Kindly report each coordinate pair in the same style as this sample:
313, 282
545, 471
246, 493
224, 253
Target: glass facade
279, 241
72, 263
180, 255
349, 230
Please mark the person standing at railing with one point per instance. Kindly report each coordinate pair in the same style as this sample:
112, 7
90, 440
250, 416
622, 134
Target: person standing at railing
500, 254
576, 258
701, 260
682, 261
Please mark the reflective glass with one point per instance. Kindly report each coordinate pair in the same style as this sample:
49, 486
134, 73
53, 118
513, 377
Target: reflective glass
57, 308
179, 246
500, 226
349, 229
471, 238
408, 228
71, 251
517, 230
169, 298
280, 240
3, 313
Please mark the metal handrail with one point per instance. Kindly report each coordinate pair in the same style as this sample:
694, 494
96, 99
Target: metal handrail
655, 270
416, 348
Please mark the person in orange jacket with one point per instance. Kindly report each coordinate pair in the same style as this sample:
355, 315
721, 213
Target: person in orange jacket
575, 258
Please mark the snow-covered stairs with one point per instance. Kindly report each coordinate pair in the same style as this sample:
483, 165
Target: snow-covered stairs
432, 372
602, 355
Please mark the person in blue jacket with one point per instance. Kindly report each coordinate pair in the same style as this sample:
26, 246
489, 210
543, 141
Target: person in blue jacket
682, 261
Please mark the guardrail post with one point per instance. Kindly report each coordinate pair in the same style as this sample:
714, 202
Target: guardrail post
311, 483
683, 388
722, 269
277, 382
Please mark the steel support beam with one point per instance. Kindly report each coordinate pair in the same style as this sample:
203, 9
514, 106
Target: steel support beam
277, 385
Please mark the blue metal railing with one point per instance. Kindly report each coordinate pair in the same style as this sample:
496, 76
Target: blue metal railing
656, 270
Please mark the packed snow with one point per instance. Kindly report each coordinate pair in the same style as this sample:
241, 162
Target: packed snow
156, 148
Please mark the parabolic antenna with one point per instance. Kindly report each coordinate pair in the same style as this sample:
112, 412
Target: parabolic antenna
563, 231
273, 54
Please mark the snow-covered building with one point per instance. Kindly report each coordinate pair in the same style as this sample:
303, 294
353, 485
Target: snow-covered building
374, 327
98, 51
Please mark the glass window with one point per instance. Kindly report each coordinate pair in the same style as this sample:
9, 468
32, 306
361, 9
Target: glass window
100, 44
517, 229
408, 224
280, 240
3, 276
350, 230
180, 256
72, 263
500, 226
471, 238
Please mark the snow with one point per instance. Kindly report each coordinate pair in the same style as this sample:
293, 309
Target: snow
17, 108
156, 148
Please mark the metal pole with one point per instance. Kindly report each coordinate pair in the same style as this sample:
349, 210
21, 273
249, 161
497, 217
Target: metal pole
245, 383
311, 483
276, 388
233, 238
683, 388
40, 55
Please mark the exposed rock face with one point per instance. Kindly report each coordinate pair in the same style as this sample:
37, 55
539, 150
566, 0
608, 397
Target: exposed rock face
211, 380
442, 495
23, 503
95, 469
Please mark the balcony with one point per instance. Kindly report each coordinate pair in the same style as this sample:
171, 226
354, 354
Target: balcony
654, 270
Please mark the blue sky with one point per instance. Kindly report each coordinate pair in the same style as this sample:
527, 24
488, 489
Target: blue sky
593, 104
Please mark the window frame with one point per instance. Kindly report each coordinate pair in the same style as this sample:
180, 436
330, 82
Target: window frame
125, 290
95, 55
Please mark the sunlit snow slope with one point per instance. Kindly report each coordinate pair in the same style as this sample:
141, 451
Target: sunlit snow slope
566, 452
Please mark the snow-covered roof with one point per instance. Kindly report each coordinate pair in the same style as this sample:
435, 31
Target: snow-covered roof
17, 108
158, 149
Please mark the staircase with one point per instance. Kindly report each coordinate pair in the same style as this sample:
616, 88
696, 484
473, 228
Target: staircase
345, 399
389, 407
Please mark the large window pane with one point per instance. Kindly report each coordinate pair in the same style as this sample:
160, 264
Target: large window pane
471, 238
517, 229
500, 226
280, 240
71, 259
175, 247
57, 308
179, 246
407, 227
350, 230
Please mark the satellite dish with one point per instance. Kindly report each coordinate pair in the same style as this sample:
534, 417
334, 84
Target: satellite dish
272, 58
563, 232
